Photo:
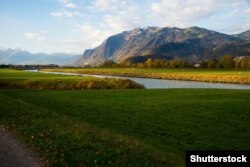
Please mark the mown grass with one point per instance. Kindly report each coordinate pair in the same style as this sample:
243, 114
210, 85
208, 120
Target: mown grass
127, 127
205, 75
31, 80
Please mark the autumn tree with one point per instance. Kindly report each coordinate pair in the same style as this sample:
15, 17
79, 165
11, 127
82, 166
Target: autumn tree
226, 61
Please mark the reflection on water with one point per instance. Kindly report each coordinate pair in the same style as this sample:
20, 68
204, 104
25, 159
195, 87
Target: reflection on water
163, 83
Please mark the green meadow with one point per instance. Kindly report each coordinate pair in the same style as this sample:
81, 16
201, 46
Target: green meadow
206, 75
123, 127
34, 80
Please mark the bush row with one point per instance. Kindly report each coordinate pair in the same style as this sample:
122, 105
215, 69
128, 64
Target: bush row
70, 84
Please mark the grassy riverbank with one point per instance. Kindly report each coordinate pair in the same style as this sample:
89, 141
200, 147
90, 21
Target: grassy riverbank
127, 127
31, 80
205, 75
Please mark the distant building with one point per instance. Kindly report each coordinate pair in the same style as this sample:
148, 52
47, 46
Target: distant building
196, 65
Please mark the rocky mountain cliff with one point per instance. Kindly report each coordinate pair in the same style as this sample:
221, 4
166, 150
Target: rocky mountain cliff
193, 44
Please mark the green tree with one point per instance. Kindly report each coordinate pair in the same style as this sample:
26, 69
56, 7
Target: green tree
213, 63
204, 64
227, 61
109, 64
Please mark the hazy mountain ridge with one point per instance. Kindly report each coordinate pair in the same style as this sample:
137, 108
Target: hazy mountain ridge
244, 35
193, 44
18, 56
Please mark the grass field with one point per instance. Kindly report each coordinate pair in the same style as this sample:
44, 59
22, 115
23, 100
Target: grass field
121, 127
33, 80
127, 127
206, 75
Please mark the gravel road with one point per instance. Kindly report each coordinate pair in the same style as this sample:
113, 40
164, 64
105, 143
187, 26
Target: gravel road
13, 153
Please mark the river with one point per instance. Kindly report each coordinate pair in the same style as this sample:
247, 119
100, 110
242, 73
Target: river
163, 83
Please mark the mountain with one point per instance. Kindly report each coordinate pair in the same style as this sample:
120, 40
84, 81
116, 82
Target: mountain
18, 56
193, 44
244, 35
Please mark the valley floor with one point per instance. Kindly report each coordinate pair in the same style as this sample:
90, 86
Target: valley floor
126, 127
204, 75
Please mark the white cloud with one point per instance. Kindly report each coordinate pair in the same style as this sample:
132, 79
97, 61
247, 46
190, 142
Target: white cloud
67, 10
247, 12
107, 17
109, 5
35, 36
93, 36
15, 46
67, 4
63, 1
122, 22
56, 14
30, 35
86, 28
62, 13
116, 23
118, 15
70, 5
183, 13
88, 37
40, 38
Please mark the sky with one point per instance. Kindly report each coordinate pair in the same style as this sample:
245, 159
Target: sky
75, 25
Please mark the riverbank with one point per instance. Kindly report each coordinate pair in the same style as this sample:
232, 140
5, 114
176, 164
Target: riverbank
216, 76
13, 79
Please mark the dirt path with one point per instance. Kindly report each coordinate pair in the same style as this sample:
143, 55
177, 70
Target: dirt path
13, 153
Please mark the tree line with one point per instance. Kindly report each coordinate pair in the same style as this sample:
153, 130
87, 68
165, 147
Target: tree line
30, 66
227, 62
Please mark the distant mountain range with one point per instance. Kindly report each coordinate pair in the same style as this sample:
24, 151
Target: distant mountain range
18, 56
193, 44
244, 35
